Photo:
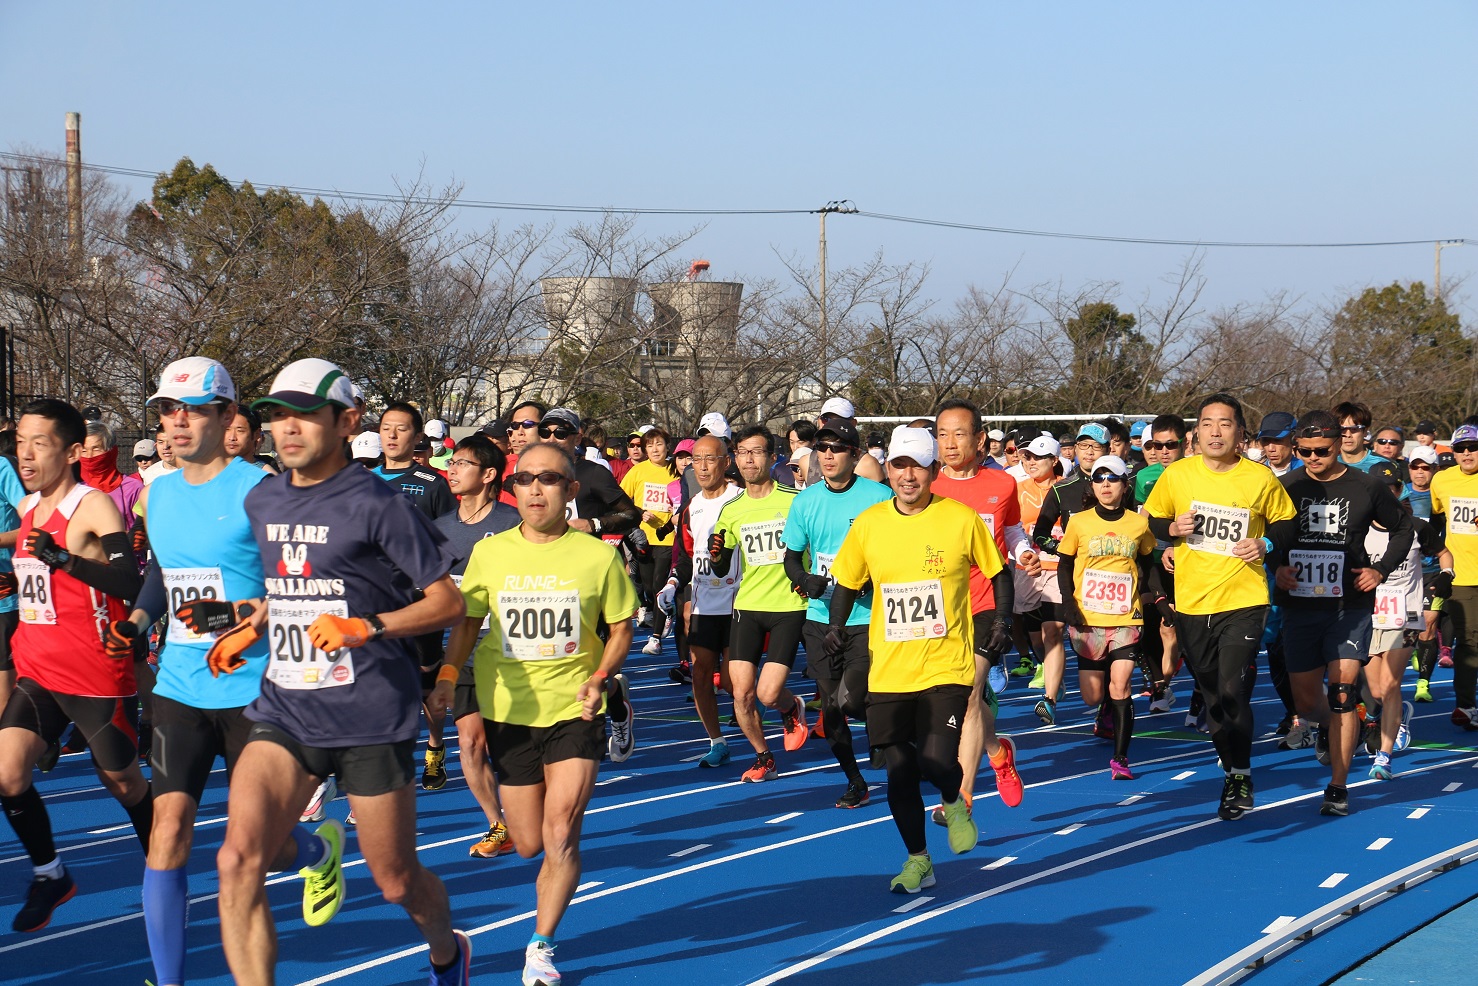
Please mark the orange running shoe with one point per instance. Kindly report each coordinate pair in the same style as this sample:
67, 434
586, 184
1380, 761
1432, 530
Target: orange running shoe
1008, 781
796, 730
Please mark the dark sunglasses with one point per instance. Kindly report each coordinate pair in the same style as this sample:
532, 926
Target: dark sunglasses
553, 432
1310, 453
1156, 446
525, 425
833, 447
1466, 447
1419, 465
635, 444
1350, 429
1388, 441
549, 478
166, 408
1108, 477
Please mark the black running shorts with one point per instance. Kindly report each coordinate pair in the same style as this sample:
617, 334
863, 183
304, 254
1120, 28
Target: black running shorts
187, 741
762, 637
519, 753
362, 770
108, 724
910, 717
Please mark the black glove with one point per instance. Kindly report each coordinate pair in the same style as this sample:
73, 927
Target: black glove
834, 642
815, 586
1072, 615
204, 616
140, 540
121, 634
1442, 585
715, 545
999, 639
8, 585
43, 547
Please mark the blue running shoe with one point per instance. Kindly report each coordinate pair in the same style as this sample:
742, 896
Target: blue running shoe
998, 679
460, 974
717, 755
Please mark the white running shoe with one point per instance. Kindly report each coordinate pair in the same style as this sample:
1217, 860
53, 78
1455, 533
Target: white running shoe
653, 647
318, 804
1403, 733
538, 965
1165, 702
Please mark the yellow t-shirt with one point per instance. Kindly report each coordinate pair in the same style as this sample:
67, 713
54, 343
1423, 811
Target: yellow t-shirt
1230, 506
1456, 495
647, 484
546, 601
1106, 571
921, 633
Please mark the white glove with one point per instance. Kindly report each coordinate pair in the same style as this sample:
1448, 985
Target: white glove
667, 597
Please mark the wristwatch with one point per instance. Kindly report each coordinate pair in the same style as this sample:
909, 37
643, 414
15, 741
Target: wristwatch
376, 625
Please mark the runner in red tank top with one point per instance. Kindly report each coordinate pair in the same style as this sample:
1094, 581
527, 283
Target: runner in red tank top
74, 566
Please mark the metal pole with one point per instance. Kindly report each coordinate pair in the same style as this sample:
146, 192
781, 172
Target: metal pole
1437, 272
825, 386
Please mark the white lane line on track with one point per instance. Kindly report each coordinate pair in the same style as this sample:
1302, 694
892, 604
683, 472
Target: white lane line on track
917, 919
611, 780
128, 825
1452, 787
1419, 812
1278, 922
1004, 860
1378, 844
785, 817
917, 902
1333, 880
589, 886
1183, 775
690, 850
1131, 800
1070, 829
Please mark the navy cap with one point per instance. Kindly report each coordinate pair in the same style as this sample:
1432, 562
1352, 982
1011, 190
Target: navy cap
1278, 424
1424, 428
1386, 472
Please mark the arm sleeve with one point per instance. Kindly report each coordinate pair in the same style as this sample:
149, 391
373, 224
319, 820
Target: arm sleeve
795, 566
1065, 581
842, 600
1394, 518
1284, 535
1160, 526
1004, 586
152, 599
1016, 541
620, 514
117, 577
1428, 537
1042, 530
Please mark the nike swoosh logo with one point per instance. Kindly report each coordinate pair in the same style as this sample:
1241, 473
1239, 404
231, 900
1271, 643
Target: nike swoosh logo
567, 581
1251, 638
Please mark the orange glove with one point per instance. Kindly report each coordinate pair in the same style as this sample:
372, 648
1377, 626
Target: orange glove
330, 633
225, 653
119, 640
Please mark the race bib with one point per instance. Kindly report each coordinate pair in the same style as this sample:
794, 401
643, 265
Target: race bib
33, 588
761, 542
487, 621
990, 523
654, 498
186, 585
540, 626
293, 660
1217, 527
1462, 515
1320, 574
821, 565
1390, 607
913, 610
1107, 593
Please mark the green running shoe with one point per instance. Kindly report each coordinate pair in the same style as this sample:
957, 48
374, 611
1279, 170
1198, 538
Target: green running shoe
323, 887
1423, 690
918, 873
963, 832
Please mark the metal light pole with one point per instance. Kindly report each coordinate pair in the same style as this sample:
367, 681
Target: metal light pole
836, 205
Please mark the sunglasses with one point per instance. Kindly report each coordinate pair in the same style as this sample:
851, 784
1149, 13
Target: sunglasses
1466, 447
833, 447
1310, 453
1388, 441
167, 408
1350, 429
1107, 477
635, 444
524, 425
1419, 465
550, 478
559, 433
1156, 446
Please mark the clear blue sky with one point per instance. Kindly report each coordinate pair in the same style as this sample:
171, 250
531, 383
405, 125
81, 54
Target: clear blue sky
1262, 121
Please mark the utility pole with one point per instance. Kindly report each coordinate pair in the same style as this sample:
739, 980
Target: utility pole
74, 220
1437, 272
837, 205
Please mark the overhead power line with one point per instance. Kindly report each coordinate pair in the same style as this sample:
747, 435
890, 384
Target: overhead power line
465, 203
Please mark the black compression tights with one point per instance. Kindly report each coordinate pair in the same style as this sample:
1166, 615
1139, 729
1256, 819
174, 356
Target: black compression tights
938, 761
834, 716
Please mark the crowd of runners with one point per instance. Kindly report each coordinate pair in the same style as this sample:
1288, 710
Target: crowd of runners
299, 614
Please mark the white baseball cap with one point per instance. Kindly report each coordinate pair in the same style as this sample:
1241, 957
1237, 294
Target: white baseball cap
144, 449
436, 428
714, 424
367, 446
194, 380
307, 385
839, 406
996, 435
1423, 453
1112, 463
913, 443
1044, 445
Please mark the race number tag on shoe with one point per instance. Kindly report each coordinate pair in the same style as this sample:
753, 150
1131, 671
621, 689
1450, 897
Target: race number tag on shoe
913, 610
762, 543
1217, 527
1390, 607
33, 588
1462, 515
1107, 592
294, 662
188, 585
540, 626
1320, 574
654, 498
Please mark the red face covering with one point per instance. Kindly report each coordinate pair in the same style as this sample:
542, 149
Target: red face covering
101, 471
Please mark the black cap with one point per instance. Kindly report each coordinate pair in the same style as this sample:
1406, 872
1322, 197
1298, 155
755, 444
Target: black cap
1445, 460
1424, 428
875, 440
1278, 424
844, 430
1386, 472
496, 429
423, 444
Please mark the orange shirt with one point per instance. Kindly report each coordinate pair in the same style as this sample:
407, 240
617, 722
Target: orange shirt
992, 495
1031, 495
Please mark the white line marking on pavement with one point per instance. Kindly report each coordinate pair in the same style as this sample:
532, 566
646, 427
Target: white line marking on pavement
1070, 829
999, 863
1379, 844
1130, 800
1418, 813
1453, 786
1278, 922
784, 818
916, 902
1334, 880
1183, 775
690, 850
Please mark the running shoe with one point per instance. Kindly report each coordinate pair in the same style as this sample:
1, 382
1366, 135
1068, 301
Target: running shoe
45, 895
717, 755
496, 843
681, 673
1381, 769
49, 757
818, 731
1416, 661
1321, 746
76, 743
351, 821
963, 832
1103, 723
623, 735
653, 646
1467, 718
1403, 732
918, 873
538, 965
1370, 735
323, 885
937, 815
1236, 797
1008, 781
1195, 713
146, 741
1119, 769
1165, 701
1336, 802
997, 678
433, 774
1046, 710
460, 974
1039, 678
318, 804
1300, 736
1444, 659
763, 769
643, 617
855, 796
1024, 668
1423, 690
793, 720
814, 704
1285, 724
